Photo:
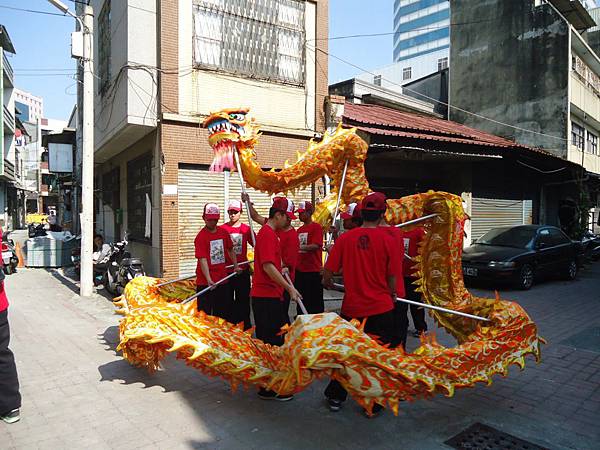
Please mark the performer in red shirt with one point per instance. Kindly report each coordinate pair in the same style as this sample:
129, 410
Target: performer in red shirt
401, 309
290, 246
10, 398
268, 283
412, 239
310, 261
212, 244
240, 285
369, 263
351, 217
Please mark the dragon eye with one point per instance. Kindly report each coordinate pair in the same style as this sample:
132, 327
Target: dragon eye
237, 116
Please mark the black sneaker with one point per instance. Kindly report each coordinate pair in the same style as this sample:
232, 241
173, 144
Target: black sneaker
377, 408
12, 416
272, 395
334, 405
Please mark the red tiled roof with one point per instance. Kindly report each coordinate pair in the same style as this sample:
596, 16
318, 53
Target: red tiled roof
375, 119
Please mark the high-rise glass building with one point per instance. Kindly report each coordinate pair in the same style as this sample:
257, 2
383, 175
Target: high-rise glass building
421, 27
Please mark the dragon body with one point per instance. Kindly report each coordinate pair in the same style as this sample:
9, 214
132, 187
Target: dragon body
325, 345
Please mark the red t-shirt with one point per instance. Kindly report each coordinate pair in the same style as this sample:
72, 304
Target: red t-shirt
411, 242
311, 261
290, 247
240, 237
213, 247
268, 249
367, 258
397, 236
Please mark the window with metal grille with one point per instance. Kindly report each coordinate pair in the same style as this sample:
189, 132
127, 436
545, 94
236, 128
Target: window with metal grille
592, 143
577, 136
104, 47
261, 39
139, 185
407, 73
377, 80
442, 63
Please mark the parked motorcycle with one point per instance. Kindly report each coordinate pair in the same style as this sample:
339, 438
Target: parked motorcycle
121, 268
9, 256
99, 269
36, 229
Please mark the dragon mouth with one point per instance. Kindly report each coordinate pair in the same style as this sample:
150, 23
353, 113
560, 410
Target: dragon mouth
223, 136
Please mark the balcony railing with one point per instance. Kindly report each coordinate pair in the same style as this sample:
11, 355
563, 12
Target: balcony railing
8, 70
9, 119
9, 169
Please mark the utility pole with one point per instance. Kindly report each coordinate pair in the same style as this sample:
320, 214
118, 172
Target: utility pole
87, 160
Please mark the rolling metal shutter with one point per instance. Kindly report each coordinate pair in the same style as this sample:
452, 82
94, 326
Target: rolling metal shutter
199, 186
489, 213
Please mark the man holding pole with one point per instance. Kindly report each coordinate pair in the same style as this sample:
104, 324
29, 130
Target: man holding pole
268, 284
310, 261
211, 245
369, 262
240, 234
290, 246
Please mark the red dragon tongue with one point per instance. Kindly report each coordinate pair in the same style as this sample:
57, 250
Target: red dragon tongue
223, 158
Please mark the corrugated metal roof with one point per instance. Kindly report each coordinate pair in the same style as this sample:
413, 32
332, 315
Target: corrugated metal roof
375, 119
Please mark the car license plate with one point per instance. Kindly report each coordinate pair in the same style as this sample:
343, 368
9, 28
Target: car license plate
470, 271
6, 257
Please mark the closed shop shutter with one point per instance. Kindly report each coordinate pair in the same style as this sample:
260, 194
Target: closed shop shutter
198, 186
489, 213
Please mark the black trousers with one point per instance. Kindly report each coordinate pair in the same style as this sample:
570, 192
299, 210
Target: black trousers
417, 312
269, 317
240, 289
382, 325
286, 307
310, 286
10, 398
218, 302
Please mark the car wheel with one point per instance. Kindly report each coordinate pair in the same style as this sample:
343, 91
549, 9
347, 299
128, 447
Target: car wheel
571, 272
526, 277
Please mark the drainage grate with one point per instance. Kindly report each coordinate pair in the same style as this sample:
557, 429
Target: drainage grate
483, 437
587, 339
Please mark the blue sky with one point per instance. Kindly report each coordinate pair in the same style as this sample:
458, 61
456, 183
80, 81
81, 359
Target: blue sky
43, 42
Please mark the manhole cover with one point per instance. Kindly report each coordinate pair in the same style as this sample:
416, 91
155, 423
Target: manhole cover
483, 437
588, 339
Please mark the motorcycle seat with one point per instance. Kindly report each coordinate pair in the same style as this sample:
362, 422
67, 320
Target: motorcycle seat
131, 262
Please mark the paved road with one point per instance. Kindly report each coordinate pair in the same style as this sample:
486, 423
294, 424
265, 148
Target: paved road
78, 393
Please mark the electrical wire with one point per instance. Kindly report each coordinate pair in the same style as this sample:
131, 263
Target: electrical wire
33, 11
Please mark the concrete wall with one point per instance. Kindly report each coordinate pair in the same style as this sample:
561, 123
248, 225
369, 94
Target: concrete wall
510, 61
127, 110
202, 92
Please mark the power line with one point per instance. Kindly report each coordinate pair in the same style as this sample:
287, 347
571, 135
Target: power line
33, 11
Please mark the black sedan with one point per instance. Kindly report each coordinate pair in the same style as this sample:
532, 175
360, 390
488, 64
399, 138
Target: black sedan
520, 255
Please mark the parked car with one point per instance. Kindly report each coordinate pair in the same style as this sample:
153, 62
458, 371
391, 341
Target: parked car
521, 254
590, 246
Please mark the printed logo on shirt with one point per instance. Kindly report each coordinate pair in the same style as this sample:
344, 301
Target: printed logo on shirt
237, 239
217, 252
303, 238
364, 243
406, 245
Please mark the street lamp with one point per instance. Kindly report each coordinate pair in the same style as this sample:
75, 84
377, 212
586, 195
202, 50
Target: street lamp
87, 146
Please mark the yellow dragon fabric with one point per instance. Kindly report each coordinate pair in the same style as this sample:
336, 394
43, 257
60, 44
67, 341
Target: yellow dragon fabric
325, 345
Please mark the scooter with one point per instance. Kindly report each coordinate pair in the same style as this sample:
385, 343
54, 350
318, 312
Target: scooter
99, 270
121, 268
9, 256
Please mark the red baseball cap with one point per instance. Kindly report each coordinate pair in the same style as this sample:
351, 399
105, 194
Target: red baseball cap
305, 206
375, 201
211, 211
234, 205
284, 204
349, 213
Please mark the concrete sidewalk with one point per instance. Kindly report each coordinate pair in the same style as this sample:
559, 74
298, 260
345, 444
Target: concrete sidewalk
78, 393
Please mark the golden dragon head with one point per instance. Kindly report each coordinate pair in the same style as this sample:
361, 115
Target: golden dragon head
229, 130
